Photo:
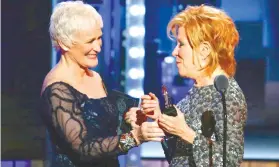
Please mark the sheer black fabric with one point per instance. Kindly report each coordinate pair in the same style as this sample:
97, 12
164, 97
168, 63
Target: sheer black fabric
83, 130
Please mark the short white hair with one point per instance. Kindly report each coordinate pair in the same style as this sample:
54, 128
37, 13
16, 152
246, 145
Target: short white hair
71, 17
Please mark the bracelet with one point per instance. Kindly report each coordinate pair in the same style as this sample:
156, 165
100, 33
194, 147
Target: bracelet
127, 142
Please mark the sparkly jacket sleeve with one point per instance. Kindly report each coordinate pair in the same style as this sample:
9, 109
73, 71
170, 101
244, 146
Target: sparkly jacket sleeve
236, 118
63, 114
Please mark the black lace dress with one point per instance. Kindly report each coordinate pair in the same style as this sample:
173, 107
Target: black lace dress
83, 130
199, 100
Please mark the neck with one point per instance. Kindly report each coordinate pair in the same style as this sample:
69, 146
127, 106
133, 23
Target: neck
209, 80
73, 68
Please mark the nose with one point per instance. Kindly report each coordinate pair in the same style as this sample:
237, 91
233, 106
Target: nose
97, 45
175, 51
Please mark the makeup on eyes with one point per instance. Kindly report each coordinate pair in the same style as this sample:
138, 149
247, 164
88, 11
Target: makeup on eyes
180, 42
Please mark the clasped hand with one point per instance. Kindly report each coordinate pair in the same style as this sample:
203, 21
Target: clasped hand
172, 125
144, 131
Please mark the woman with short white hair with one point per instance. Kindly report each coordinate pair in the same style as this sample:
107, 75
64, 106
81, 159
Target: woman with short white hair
81, 120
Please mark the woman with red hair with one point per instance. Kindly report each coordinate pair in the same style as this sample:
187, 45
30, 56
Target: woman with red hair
206, 39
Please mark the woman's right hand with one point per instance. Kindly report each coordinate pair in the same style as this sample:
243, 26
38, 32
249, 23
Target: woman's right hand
134, 117
148, 131
150, 106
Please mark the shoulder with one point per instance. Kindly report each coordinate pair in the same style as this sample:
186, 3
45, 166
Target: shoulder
234, 93
235, 99
96, 78
54, 81
97, 75
58, 89
236, 102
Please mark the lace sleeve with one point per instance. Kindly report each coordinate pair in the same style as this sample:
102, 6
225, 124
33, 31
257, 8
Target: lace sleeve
66, 120
236, 116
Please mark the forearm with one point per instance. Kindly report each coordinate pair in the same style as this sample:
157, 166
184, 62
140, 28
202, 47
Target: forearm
96, 148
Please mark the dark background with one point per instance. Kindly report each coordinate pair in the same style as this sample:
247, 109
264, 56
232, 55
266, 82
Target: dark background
26, 59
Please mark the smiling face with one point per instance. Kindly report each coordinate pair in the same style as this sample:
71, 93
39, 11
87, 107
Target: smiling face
84, 51
76, 30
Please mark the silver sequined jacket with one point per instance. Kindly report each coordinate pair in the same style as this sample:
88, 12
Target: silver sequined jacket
199, 100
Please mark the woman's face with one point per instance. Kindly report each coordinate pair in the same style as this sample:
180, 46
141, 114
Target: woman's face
184, 55
85, 50
188, 65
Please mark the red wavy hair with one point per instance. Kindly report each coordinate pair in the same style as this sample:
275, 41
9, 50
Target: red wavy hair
206, 23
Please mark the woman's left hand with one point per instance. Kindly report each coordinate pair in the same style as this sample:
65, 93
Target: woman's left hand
177, 126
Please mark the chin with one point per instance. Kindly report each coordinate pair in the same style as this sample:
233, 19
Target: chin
182, 73
92, 64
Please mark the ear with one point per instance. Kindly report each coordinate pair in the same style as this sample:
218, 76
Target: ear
63, 46
205, 49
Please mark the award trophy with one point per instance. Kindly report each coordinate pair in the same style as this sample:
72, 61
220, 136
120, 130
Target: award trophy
169, 141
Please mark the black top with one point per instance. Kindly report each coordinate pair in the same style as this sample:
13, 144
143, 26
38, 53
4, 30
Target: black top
83, 130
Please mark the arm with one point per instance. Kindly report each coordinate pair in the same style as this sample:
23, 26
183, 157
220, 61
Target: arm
236, 112
66, 120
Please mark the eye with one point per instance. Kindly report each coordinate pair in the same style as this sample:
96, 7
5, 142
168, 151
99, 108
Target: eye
181, 44
91, 41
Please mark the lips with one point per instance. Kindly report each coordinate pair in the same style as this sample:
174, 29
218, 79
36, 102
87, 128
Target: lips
92, 56
178, 60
